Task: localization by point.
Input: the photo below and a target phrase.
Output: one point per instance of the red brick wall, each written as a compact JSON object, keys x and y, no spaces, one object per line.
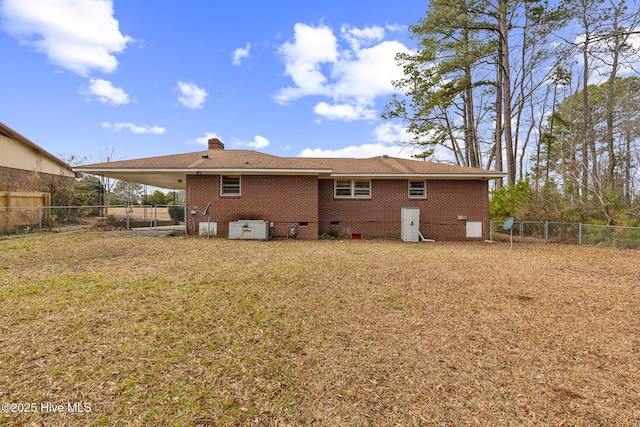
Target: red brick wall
{"x":283,"y":200}
{"x":380,"y":215}
{"x":287,"y":200}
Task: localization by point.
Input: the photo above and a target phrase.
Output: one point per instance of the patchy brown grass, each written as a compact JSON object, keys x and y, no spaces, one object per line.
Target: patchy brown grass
{"x":204,"y":332}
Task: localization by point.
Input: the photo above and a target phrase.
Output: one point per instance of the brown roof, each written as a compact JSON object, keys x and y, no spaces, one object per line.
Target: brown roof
{"x":394,"y":166}
{"x":240,"y":160}
{"x":170,"y":171}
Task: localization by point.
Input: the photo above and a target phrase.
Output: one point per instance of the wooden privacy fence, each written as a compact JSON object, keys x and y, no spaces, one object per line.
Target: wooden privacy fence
{"x":13,"y":217}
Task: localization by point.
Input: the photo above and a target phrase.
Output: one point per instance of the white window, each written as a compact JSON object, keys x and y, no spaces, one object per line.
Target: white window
{"x":352,"y":188}
{"x":230,"y":186}
{"x":417,"y":189}
{"x":343,"y":188}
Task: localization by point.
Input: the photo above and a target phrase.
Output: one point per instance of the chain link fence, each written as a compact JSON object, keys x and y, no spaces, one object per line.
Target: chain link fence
{"x":30,"y":218}
{"x":576,"y":233}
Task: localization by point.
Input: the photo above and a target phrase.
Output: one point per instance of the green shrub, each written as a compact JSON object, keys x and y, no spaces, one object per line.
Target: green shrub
{"x":176,"y":212}
{"x":600,"y":236}
{"x":512,"y":201}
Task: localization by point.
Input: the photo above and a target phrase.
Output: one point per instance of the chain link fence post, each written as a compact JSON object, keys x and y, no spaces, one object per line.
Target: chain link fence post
{"x":186,"y":228}
{"x":580,"y":234}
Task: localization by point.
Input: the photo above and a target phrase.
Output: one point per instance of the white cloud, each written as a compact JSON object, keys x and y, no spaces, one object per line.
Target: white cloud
{"x":257,"y":143}
{"x":344,"y":111}
{"x":155,"y":130}
{"x":240,"y":54}
{"x":362,"y":151}
{"x":370,"y":73}
{"x":353,"y":76}
{"x":77,"y":35}
{"x":105,"y":92}
{"x":191,"y":96}
{"x":361,"y":36}
{"x":395,"y":27}
{"x":392,"y":140}
{"x":395,"y":133}
{"x":303,"y":58}
{"x":203,"y":140}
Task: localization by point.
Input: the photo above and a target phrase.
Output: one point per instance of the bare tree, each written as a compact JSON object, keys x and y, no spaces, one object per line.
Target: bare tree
{"x":615,"y":49}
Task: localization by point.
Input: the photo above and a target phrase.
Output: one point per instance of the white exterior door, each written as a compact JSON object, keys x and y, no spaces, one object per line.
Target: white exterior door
{"x":410,"y":225}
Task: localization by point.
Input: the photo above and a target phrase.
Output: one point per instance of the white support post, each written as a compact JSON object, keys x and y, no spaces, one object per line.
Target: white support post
{"x":580,"y":234}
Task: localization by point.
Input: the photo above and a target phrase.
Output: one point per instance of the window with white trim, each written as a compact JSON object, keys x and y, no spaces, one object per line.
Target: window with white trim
{"x":343,"y":188}
{"x":352,"y":188}
{"x":229,"y":185}
{"x":417,"y":189}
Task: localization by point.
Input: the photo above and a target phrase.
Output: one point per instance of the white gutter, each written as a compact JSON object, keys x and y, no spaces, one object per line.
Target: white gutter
{"x":204,"y":171}
{"x":242,"y":171}
{"x":418,"y":175}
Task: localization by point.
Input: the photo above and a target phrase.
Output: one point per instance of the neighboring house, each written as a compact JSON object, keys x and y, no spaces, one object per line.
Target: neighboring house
{"x":27,"y":176}
{"x":318,"y":195}
{"x":24,"y":166}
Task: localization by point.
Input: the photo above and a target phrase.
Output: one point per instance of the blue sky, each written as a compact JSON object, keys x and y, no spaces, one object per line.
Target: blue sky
{"x":143,"y":78}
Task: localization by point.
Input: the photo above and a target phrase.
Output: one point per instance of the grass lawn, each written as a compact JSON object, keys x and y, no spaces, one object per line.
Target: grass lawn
{"x":177,"y":331}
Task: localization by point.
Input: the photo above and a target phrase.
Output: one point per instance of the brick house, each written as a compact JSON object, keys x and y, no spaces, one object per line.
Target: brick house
{"x":338,"y":196}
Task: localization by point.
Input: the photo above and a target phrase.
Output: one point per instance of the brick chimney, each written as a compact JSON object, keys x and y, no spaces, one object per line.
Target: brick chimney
{"x":215,"y":144}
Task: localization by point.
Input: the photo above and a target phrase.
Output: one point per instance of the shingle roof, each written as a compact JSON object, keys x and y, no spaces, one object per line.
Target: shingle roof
{"x":214,"y":160}
{"x":170,"y":171}
{"x":393,"y":166}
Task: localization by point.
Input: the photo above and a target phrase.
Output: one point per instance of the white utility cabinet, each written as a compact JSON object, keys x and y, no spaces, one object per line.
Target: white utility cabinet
{"x":410,"y":223}
{"x":208,"y":228}
{"x":474,"y":229}
{"x":249,"y":230}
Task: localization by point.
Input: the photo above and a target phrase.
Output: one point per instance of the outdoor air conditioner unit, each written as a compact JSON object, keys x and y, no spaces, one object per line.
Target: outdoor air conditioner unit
{"x":249,"y":230}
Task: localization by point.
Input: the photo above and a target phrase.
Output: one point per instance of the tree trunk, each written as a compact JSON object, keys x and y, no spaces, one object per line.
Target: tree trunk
{"x":611,"y":166}
{"x":498,"y":134}
{"x":586,"y":116}
{"x":505,"y":68}
{"x":471,"y":125}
